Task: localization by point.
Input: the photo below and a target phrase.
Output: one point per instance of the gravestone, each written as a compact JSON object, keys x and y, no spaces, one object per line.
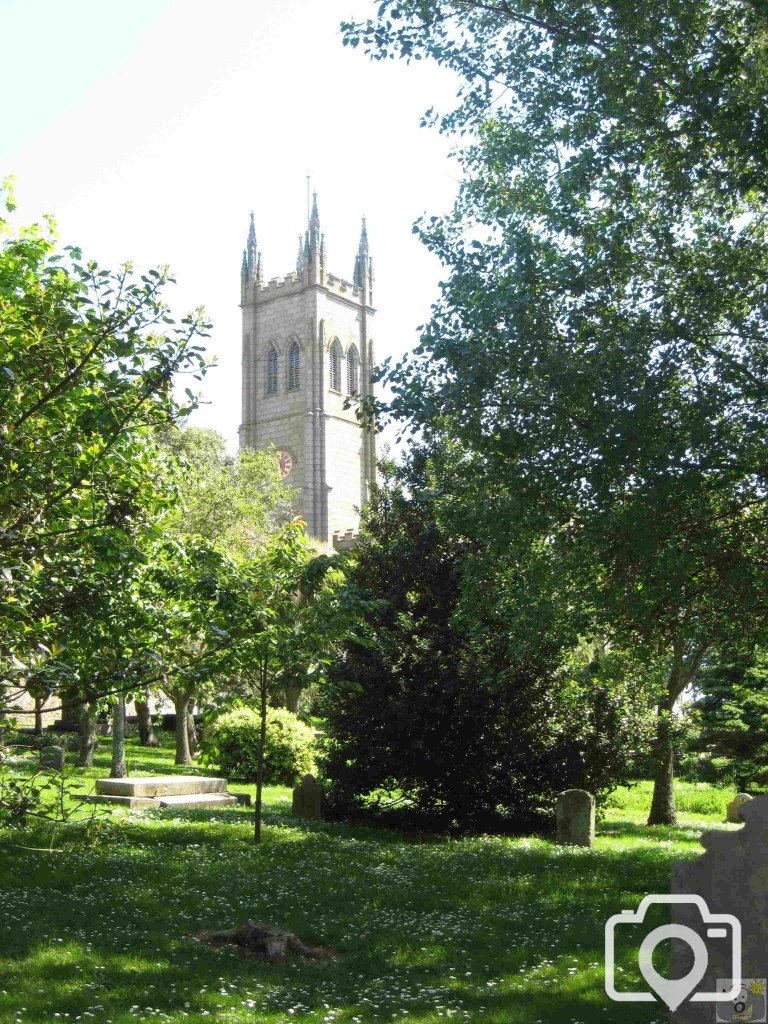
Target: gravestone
{"x":575,"y":814}
{"x":52,"y":757}
{"x":733,"y":811}
{"x":732,"y":878}
{"x":308,"y":799}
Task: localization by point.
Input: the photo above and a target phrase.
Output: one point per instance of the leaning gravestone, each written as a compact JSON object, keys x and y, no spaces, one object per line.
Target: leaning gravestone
{"x":52,"y":757}
{"x":731,"y":877}
{"x":308,"y":799}
{"x":575,"y":814}
{"x":733,"y":811}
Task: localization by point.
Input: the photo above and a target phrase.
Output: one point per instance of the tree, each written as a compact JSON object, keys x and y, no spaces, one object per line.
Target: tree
{"x":119,"y":769}
{"x":281,"y":617}
{"x":181,"y":588}
{"x":147,"y":736}
{"x":87,"y":367}
{"x":232,"y":506}
{"x":439,"y":705}
{"x":600,"y":342}
{"x":730,"y":714}
{"x":233,"y":502}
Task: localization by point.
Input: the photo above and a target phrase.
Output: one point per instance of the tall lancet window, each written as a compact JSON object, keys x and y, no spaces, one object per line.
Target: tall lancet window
{"x":271,"y":382}
{"x":335,"y":374}
{"x":294,"y":368}
{"x":353,"y":371}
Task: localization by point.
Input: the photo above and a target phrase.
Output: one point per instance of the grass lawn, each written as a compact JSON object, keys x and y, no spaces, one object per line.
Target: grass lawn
{"x":508,"y":931}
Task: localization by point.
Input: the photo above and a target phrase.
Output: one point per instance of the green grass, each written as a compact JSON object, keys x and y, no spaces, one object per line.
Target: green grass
{"x":501,"y":930}
{"x":693,"y":799}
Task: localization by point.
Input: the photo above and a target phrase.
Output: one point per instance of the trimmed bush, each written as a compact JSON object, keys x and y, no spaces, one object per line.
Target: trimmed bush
{"x":232,"y":742}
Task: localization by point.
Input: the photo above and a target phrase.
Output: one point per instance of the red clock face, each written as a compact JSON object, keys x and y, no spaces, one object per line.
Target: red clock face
{"x":286,"y":464}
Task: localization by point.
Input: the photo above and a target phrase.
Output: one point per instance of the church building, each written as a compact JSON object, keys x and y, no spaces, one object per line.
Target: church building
{"x":307,"y":361}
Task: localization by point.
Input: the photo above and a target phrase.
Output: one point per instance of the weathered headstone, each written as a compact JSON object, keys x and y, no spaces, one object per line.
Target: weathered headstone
{"x":52,"y":757}
{"x":732,"y":813}
{"x":575,"y":814}
{"x":732,"y":878}
{"x":308,"y":799}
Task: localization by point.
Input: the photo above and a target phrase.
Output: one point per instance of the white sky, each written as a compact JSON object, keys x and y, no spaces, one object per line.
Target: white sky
{"x":150,"y":129}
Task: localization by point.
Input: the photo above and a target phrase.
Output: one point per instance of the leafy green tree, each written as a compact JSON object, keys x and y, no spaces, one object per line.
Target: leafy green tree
{"x":182,"y":589}
{"x":282,"y":615}
{"x":730,"y":717}
{"x":233,"y":502}
{"x":600,"y":343}
{"x":88,"y":361}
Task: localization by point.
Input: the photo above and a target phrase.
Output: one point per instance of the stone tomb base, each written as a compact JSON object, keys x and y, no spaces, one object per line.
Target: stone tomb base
{"x":165,"y":791}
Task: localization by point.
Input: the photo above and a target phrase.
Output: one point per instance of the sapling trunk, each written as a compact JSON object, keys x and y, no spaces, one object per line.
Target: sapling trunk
{"x":39,"y":701}
{"x":262,"y":748}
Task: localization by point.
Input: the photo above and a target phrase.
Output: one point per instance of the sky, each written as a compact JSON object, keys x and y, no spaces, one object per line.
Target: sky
{"x":151,"y":128}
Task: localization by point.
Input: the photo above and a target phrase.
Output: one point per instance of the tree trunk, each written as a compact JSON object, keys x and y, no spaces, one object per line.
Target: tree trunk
{"x":39,"y":701}
{"x":70,"y":714}
{"x":119,"y":770}
{"x":292,"y":694}
{"x":194,"y":743}
{"x":183,"y":753}
{"x":87,"y":728}
{"x":681,"y":673}
{"x":147,"y":736}
{"x":260,"y":763}
{"x":663,"y":810}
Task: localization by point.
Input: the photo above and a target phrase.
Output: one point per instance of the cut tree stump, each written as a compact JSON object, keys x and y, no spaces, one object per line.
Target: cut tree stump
{"x":262,"y":941}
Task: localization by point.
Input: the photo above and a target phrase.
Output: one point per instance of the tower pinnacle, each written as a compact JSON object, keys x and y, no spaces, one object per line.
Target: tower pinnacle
{"x":251,"y":268}
{"x":252,"y":256}
{"x":363,"y":275}
{"x":314,"y":237}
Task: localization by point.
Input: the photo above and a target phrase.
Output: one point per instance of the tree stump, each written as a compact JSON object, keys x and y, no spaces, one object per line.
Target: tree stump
{"x":263,"y":941}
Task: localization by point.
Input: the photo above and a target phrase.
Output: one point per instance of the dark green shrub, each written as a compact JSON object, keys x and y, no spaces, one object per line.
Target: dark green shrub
{"x":467,"y":702}
{"x":232,"y":742}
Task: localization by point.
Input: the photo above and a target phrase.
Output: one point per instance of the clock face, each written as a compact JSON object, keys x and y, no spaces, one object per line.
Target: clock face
{"x":286,"y":463}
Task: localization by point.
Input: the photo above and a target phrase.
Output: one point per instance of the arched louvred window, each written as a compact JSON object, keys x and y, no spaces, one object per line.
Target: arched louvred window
{"x":271,"y":372}
{"x":294,"y":367}
{"x":335,"y":368}
{"x":353,"y":372}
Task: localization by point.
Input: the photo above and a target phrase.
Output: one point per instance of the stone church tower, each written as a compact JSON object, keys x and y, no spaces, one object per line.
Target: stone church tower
{"x":307,"y":352}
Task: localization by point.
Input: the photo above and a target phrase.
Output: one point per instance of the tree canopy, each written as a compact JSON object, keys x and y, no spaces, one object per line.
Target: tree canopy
{"x":600,"y":342}
{"x":88,"y":361}
{"x":234,"y":502}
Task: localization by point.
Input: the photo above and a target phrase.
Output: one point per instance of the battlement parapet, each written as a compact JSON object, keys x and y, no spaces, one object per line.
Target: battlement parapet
{"x":341,"y":285}
{"x":274,"y":288}
{"x":345,"y":541}
{"x":258,"y":291}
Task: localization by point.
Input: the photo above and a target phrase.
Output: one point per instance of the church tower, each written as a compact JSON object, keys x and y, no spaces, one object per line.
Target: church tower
{"x":307,"y":354}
